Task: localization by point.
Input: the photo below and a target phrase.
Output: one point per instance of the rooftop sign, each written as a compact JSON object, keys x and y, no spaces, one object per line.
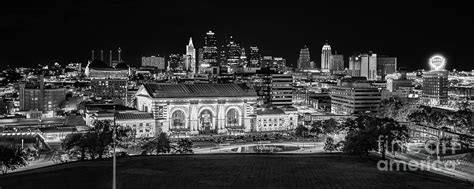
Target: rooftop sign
{"x":437,"y":62}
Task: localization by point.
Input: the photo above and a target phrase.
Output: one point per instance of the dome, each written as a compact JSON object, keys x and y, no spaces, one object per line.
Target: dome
{"x":98,"y":64}
{"x":122,"y":65}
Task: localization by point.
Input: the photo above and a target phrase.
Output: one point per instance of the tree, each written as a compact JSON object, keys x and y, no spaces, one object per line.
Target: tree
{"x":461,"y":121}
{"x":437,"y":119}
{"x":163,"y":144}
{"x":330,"y":126}
{"x":184,"y":147}
{"x":362,"y":136}
{"x":97,"y":140}
{"x":420,"y":115}
{"x":366,"y":133}
{"x":316,"y":127}
{"x":391,"y":134}
{"x":100,"y":137}
{"x":148,"y":146}
{"x":76,"y":140}
{"x":329,"y":144}
{"x":300,"y":130}
{"x":160,"y":144}
{"x":12,"y":158}
{"x":390,"y":107}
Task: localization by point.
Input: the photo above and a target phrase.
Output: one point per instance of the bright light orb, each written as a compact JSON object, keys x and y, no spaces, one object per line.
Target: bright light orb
{"x":437,"y":62}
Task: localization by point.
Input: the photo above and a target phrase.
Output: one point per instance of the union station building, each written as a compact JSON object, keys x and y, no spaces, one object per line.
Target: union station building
{"x":199,"y":108}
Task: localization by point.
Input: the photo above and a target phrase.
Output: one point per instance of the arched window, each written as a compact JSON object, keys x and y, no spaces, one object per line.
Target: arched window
{"x":178,"y":119}
{"x":232,"y":118}
{"x":206,"y":119}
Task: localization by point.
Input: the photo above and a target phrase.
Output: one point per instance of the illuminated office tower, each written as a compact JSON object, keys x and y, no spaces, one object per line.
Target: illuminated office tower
{"x":232,"y":52}
{"x":337,"y":63}
{"x":368,"y":66}
{"x":386,"y":65}
{"x":191,"y":56}
{"x":325,"y":57}
{"x":209,"y":63}
{"x":354,"y":66}
{"x":255,"y":57}
{"x":304,"y":59}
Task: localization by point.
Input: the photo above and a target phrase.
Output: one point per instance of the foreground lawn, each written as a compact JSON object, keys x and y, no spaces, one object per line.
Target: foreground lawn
{"x":228,"y":170}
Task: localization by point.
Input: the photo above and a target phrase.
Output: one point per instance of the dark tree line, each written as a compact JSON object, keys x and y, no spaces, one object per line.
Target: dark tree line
{"x":12,"y":158}
{"x":97,"y":141}
{"x":162,"y":145}
{"x":363,"y":134}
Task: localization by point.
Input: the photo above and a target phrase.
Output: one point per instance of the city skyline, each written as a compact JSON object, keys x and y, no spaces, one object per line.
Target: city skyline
{"x":68,"y":32}
{"x":186,"y":94}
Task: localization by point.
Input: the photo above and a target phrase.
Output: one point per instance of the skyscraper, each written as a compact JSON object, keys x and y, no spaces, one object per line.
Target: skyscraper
{"x":386,"y":65}
{"x":232,"y":52}
{"x":210,"y":55}
{"x":354,"y":66}
{"x":435,"y":87}
{"x":200,"y":59}
{"x":304,"y":59}
{"x":254,"y":57}
{"x":222,"y":59}
{"x":191,"y":54}
{"x":281,"y":90}
{"x":325,"y":57}
{"x":368,"y":66}
{"x":337,"y":63}
{"x":243,"y":57}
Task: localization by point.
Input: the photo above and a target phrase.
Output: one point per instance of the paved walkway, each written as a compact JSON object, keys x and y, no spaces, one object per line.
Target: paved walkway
{"x":434,"y":166}
{"x":45,"y":161}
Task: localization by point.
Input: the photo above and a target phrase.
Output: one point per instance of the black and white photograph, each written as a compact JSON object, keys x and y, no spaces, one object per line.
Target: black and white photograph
{"x":236,"y":94}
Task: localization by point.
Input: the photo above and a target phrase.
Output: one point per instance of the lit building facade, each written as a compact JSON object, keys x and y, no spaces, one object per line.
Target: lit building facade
{"x":281,"y":90}
{"x":274,"y":120}
{"x":304,"y":59}
{"x":142,"y":124}
{"x":108,"y":83}
{"x":190,"y":57}
{"x":199,"y":108}
{"x":435,"y":87}
{"x":386,"y":65}
{"x":154,"y":61}
{"x":40,"y":98}
{"x":325,"y":57}
{"x":276,"y":63}
{"x":355,"y":98}
{"x":233,"y":53}
{"x":254,"y":57}
{"x":336,"y":63}
{"x":354,"y":66}
{"x":210,"y":63}
{"x":368,"y":66}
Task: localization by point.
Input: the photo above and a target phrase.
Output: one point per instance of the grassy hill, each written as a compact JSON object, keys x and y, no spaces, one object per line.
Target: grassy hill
{"x":227,"y":170}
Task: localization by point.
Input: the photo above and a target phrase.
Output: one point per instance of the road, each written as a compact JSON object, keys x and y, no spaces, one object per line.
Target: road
{"x":305,"y":147}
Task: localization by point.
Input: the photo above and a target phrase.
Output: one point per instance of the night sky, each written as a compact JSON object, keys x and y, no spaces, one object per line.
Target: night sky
{"x":44,"y":33}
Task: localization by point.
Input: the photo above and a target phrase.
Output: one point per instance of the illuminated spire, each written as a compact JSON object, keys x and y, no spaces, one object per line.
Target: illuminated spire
{"x":191,"y":42}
